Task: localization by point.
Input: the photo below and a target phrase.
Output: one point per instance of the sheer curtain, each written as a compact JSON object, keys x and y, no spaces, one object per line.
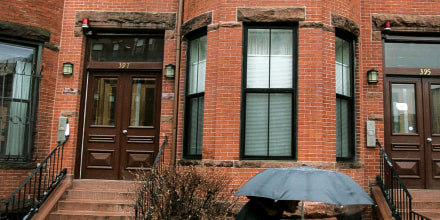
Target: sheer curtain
{"x":19,"y":120}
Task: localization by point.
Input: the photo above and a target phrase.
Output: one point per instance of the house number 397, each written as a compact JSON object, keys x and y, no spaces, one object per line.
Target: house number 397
{"x":124,"y":65}
{"x":425,"y":72}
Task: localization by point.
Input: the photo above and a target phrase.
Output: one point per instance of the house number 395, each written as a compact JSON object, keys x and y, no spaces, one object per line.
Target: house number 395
{"x":124,"y":65}
{"x":425,"y":72}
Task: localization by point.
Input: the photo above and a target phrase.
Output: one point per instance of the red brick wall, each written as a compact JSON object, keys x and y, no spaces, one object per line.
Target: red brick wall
{"x":316,"y":81}
{"x":43,"y":14}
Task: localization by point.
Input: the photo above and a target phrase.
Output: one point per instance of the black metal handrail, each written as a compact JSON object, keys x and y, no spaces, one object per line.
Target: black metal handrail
{"x":26,"y":200}
{"x":397,"y":195}
{"x":142,"y":203}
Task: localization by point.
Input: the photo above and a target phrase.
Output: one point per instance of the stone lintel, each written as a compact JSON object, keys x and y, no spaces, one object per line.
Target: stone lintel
{"x":341,"y":22}
{"x":404,"y":23}
{"x":22,"y":31}
{"x":271,"y":14}
{"x":126,"y":20}
{"x":197,"y":22}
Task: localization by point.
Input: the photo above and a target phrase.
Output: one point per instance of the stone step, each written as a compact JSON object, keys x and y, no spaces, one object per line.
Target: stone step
{"x":426,"y":202}
{"x":425,"y":194}
{"x":107,"y":194}
{"x":89,"y":215}
{"x":97,"y":199}
{"x":104,"y":184}
{"x":93,"y":205}
{"x":433,"y":214}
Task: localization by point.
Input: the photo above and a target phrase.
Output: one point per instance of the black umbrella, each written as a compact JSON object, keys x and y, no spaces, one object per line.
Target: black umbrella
{"x":306,"y":183}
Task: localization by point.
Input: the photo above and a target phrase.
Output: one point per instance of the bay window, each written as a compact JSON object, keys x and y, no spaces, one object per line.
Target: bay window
{"x":268,"y":96}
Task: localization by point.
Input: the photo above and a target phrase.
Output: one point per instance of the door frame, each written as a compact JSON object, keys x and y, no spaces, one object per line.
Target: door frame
{"x":407,"y":74}
{"x":157,"y":112}
{"x":156,"y":67}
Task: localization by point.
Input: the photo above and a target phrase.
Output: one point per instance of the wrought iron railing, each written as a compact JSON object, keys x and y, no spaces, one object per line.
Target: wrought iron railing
{"x":397,"y":195}
{"x":26,"y":200}
{"x":142,"y":204}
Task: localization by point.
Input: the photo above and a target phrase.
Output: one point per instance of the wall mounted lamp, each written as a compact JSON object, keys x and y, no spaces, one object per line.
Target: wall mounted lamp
{"x":373,"y":76}
{"x":86,"y":27}
{"x":387,"y":26}
{"x":67,"y":68}
{"x":85,"y":23}
{"x":170,"y":70}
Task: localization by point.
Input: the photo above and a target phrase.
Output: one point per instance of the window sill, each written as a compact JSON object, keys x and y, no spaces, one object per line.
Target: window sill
{"x":17,"y":165}
{"x":349,"y":165}
{"x":269,"y":164}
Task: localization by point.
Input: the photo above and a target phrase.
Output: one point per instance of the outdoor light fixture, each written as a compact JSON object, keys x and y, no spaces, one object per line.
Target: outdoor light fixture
{"x":86,"y":27}
{"x":373,"y":76}
{"x":67,"y":68}
{"x":85,"y":23}
{"x":170,"y":70}
{"x":387,"y":26}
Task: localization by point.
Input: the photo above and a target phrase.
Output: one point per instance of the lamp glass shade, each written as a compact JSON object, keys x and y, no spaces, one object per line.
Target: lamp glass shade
{"x":67,"y":68}
{"x":169,"y":71}
{"x":85,"y":23}
{"x":373,"y":76}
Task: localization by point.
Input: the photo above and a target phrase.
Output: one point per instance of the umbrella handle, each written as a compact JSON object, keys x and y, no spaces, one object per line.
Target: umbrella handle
{"x":302,"y":210}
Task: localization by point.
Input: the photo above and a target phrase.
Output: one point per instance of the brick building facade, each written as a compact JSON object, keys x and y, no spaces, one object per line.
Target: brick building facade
{"x":309,"y":106}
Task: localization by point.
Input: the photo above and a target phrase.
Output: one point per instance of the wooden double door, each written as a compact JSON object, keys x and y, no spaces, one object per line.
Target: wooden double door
{"x":121,"y":124}
{"x":412,"y":129}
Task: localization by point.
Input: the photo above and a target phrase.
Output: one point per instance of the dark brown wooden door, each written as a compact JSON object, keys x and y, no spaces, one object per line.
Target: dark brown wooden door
{"x":413,"y":129}
{"x":121,"y":124}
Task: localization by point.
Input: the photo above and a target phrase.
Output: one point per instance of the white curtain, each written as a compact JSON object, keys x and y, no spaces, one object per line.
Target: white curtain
{"x":18,"y":119}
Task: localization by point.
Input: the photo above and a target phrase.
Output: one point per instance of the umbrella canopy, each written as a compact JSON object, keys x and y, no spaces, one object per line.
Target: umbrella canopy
{"x":306,"y":183}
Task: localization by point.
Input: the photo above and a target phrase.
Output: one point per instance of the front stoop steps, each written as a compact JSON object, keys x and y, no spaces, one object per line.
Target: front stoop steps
{"x":426,"y":202}
{"x":96,"y":199}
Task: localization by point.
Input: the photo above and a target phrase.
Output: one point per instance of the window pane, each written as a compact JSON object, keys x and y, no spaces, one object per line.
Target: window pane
{"x":197,"y":68}
{"x":343,"y":128}
{"x":404,"y":109}
{"x":256,"y":134}
{"x":195,"y":126}
{"x":435,"y":108}
{"x":415,"y":55}
{"x":195,"y":96}
{"x":344,"y":104}
{"x":18,"y":81}
{"x":342,"y":65}
{"x":281,"y":60}
{"x":127,"y":49}
{"x":258,"y":58}
{"x":280,"y":125}
{"x":281,"y":72}
{"x":281,"y":42}
{"x":142,"y":102}
{"x":103,"y":109}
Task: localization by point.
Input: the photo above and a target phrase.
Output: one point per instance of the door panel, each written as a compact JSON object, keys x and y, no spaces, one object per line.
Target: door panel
{"x":140,"y":132}
{"x":122,"y":124}
{"x":432,"y":131}
{"x":411,"y":117}
{"x":405,"y":130}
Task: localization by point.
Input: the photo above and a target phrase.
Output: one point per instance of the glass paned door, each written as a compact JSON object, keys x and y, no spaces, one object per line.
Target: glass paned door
{"x":142,"y":101}
{"x":121,"y":130}
{"x":413,"y":129}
